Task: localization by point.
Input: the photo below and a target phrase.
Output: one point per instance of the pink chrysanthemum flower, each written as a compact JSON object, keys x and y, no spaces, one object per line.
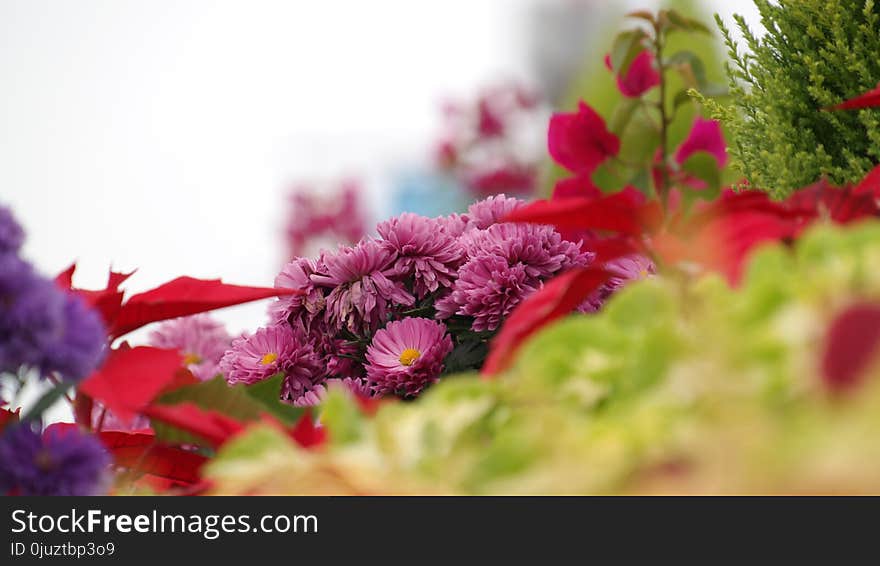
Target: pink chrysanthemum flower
{"x":272,"y":350}
{"x":488,"y":289}
{"x":425,"y":252}
{"x":406,"y":356}
{"x":487,"y":212}
{"x":364,"y":289}
{"x":200,"y":339}
{"x":541,"y":249}
{"x":507,"y":262}
{"x":300,"y":308}
{"x":624,"y":270}
{"x":454,"y":225}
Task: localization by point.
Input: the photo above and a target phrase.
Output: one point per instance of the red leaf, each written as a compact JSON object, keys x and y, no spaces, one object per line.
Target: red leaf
{"x":851,"y":345}
{"x":140,"y":452}
{"x":615,"y":213}
{"x":869,"y":99}
{"x":870,"y":185}
{"x":185,"y":296}
{"x":7,"y":417}
{"x":131,"y":378}
{"x":106,"y":301}
{"x":580,"y":141}
{"x":214,"y":427}
{"x":306,"y":434}
{"x":574,"y":187}
{"x":556,"y":299}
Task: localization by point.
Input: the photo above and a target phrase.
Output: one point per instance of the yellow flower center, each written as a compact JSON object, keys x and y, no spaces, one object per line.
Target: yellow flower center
{"x":191,"y":359}
{"x":269,"y":358}
{"x":409,"y":356}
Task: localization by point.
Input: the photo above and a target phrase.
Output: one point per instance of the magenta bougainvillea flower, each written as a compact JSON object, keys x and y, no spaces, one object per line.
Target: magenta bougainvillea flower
{"x":406,"y":356}
{"x":201,"y":339}
{"x":705,"y":135}
{"x":641,"y":76}
{"x":426,"y":254}
{"x":364,"y":290}
{"x":580,"y":141}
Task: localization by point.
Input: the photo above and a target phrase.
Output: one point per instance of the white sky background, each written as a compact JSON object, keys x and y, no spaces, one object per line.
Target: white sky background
{"x":160,"y":134}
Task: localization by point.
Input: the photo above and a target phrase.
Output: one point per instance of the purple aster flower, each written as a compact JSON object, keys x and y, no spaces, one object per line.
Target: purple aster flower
{"x":277,"y":349}
{"x":487,"y":212}
{"x":32,"y":312}
{"x":406,"y":356}
{"x":624,"y":270}
{"x":425,"y":252}
{"x":201,"y":340}
{"x":11,"y":234}
{"x":80,"y":343}
{"x":488,"y":289}
{"x":61,"y":461}
{"x":302,"y":309}
{"x":364,"y":290}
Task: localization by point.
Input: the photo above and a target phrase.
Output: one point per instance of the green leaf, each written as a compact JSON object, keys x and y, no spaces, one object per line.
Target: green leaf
{"x":642,"y":15}
{"x":466,"y":356}
{"x":678,"y":21}
{"x":703,"y":166}
{"x":690,"y":67}
{"x":268,"y":393}
{"x":622,"y":115}
{"x":681,"y":97}
{"x":626,"y":46}
{"x":642,"y":181}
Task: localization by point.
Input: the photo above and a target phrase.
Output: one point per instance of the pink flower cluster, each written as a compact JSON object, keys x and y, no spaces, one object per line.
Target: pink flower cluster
{"x":384,"y":315}
{"x":315,"y":218}
{"x":485,"y":143}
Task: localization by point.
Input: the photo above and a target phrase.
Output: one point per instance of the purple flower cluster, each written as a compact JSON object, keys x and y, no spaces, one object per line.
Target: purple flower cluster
{"x":60,"y":461}
{"x":41,"y":325}
{"x":376,"y":316}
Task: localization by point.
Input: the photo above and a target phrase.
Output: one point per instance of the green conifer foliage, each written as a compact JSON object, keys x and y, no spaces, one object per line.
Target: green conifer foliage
{"x":816,"y":53}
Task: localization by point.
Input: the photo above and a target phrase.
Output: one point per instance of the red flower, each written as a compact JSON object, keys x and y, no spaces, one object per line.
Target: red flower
{"x":851,"y":345}
{"x":580,"y":141}
{"x":641,"y":76}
